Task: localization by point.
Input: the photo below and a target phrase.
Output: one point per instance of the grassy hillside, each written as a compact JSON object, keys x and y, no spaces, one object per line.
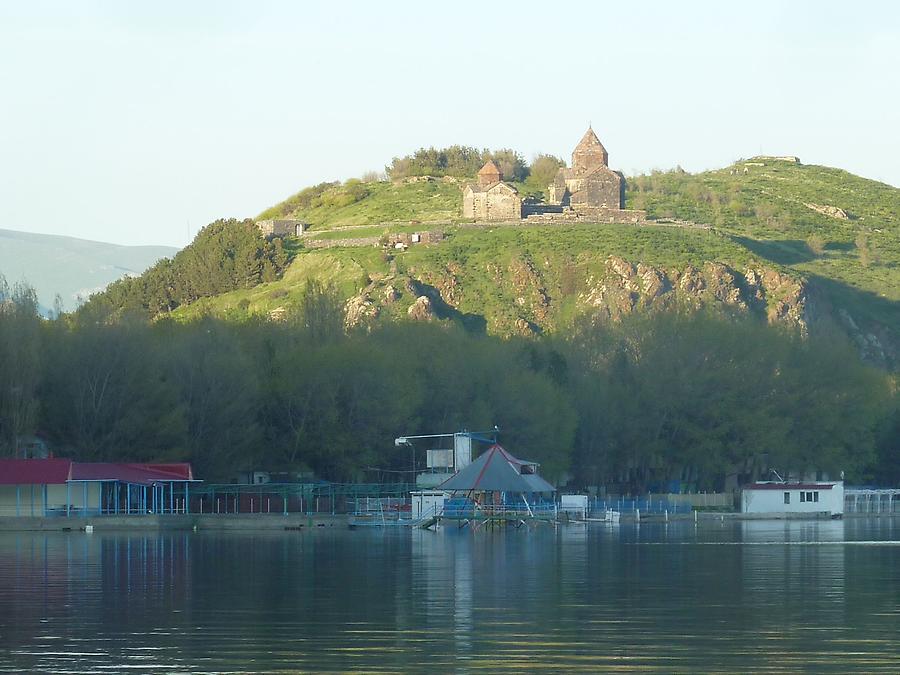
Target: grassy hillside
{"x":483,"y":273}
{"x":763,"y":205}
{"x":763,"y":212}
{"x":358,"y":203}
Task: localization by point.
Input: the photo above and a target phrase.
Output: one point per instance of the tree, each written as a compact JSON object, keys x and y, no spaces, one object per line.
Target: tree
{"x":218,"y":392}
{"x":106,"y":393}
{"x":20,"y":363}
{"x":511,"y":165}
{"x":225,"y":255}
{"x":543,"y":170}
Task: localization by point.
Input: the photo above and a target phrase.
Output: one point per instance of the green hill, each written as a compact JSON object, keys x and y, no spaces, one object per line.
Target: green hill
{"x":805,"y":245}
{"x":795,"y":242}
{"x":648,"y":395}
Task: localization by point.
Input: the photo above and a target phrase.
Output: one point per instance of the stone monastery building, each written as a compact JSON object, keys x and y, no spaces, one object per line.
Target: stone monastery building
{"x":491,"y":198}
{"x":590,"y":183}
{"x":588,"y":191}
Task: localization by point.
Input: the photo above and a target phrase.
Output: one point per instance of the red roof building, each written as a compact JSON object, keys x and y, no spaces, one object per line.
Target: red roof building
{"x":35,"y":471}
{"x":48,"y":487}
{"x":139,"y":474}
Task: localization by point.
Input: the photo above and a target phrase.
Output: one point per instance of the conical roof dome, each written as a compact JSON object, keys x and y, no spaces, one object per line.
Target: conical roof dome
{"x":589,"y":153}
{"x":489,"y":173}
{"x":489,"y":168}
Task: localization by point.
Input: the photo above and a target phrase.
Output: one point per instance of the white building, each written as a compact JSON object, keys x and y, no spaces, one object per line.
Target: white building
{"x":574,"y":505}
{"x":779,"y":497}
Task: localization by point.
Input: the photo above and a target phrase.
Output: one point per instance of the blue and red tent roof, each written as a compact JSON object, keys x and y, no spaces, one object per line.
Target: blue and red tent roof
{"x":497,"y":470}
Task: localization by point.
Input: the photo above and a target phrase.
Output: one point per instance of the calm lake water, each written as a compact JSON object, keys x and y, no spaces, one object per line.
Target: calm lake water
{"x":736,"y":597}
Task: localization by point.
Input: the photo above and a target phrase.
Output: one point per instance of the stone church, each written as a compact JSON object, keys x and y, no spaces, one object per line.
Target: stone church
{"x":589,"y":191}
{"x":491,"y":198}
{"x":589,"y":183}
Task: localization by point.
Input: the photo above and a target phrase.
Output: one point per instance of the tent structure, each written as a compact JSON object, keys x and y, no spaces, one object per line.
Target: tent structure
{"x":495,"y":489}
{"x":498,"y":471}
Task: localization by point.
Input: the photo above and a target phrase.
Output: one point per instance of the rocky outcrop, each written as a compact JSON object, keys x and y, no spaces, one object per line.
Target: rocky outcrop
{"x":534,"y":299}
{"x":831,"y":211}
{"x":391,"y":295}
{"x":624,"y":288}
{"x":421,"y":309}
{"x":531,"y":293}
{"x":876,"y":344}
{"x":360,"y":309}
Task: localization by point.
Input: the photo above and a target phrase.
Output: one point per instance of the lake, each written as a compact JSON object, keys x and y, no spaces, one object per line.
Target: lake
{"x":763,"y":596}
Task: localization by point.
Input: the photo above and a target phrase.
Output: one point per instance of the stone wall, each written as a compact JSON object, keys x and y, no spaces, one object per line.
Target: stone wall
{"x":603,"y":188}
{"x":281,"y":228}
{"x":604,"y":215}
{"x":503,"y":204}
{"x":341,"y":243}
{"x":472,"y":206}
{"x":499,"y":202}
{"x":553,"y":215}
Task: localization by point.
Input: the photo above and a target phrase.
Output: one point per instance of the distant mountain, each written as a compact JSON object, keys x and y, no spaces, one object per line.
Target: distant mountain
{"x":72,"y":268}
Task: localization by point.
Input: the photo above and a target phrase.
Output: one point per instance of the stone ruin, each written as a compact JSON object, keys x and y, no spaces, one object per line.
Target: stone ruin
{"x":281,"y":228}
{"x":589,"y":191}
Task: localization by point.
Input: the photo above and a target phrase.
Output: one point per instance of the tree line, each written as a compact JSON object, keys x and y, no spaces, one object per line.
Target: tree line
{"x":462,"y":161}
{"x":226,"y":255}
{"x":694,"y":397}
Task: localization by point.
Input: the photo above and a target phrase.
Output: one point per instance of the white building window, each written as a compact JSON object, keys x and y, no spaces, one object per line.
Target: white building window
{"x":787,"y":497}
{"x":815,"y":496}
{"x":802,"y":496}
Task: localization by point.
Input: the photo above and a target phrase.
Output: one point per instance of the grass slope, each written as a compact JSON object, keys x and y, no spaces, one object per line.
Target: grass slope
{"x":758,"y":209}
{"x":765,"y":210}
{"x":358,"y":203}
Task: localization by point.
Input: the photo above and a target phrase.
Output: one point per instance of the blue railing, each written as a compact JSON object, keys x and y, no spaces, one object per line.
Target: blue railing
{"x":461,"y":507}
{"x":642,"y":505}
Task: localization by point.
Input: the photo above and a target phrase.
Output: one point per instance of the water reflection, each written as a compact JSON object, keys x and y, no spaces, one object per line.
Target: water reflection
{"x":740,"y":596}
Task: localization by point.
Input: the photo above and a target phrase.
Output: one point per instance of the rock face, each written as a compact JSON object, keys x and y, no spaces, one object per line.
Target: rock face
{"x":359,"y":310}
{"x":832,"y":211}
{"x":528,"y":297}
{"x":391,"y":295}
{"x":624,"y":288}
{"x":421,"y":309}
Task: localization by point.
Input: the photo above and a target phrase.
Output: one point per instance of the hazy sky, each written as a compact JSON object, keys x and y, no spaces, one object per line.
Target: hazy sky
{"x":138,"y":123}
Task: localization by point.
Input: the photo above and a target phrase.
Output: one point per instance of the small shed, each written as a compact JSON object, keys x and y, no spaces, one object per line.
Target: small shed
{"x":778,"y":497}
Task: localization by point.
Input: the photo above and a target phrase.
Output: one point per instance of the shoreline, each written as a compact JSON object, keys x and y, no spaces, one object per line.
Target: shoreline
{"x":299,"y":521}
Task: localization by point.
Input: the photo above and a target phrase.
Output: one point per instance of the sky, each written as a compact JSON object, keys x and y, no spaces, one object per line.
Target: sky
{"x":141,"y":122}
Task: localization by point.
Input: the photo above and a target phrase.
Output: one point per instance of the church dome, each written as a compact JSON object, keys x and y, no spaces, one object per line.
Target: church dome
{"x":589,"y":153}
